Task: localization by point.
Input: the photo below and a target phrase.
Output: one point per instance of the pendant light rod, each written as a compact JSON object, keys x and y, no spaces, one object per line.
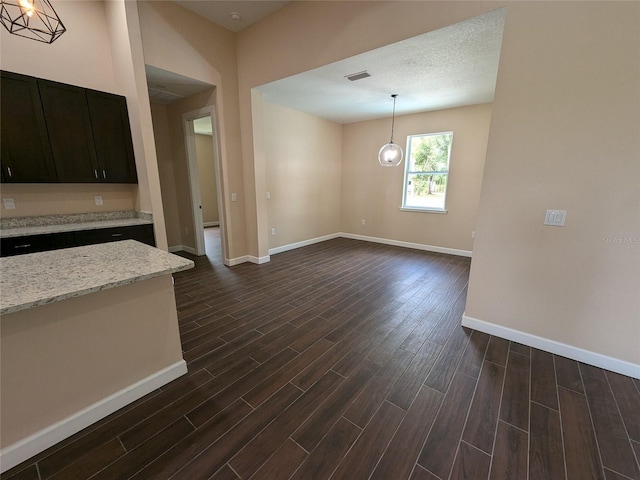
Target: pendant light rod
{"x":393,"y":116}
{"x":390,"y":155}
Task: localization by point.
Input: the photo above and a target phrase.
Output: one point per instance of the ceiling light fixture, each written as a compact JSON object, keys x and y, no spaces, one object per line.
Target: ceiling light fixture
{"x":34,"y":19}
{"x":390,"y":155}
{"x":235,"y":16}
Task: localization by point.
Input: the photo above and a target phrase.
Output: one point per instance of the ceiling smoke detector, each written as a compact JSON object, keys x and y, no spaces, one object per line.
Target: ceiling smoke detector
{"x":235,"y":16}
{"x":357,"y":76}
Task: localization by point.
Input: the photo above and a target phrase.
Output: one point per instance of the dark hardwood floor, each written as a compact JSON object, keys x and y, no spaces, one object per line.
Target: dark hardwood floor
{"x":346,"y":360}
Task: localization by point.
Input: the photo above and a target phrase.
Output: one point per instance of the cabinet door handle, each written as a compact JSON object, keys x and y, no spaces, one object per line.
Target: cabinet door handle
{"x":95,"y":172}
{"x":117,"y":234}
{"x":104,"y":174}
{"x":9,"y":172}
{"x":26,"y":245}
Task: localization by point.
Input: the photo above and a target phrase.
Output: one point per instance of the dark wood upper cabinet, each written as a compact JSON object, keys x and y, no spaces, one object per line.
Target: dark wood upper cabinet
{"x":26,"y":154}
{"x":69,"y":126}
{"x":54,"y":132}
{"x":112,"y":137}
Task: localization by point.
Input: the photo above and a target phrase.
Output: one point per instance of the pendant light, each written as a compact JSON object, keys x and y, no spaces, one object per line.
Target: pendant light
{"x":34,"y":19}
{"x":390,"y":155}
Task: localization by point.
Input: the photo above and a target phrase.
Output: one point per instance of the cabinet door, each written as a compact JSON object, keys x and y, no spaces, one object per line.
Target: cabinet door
{"x":69,"y":126}
{"x":35,"y":243}
{"x":141,"y":233}
{"x":26,"y":154}
{"x":112,"y":137}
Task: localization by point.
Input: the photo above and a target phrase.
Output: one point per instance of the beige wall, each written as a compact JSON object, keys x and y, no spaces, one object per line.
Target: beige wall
{"x":374,"y":193}
{"x":61,"y":358}
{"x":207,"y":178}
{"x":566,"y":108}
{"x":564,"y":135}
{"x":81,"y":56}
{"x":303,"y":163}
{"x":101,"y":49}
{"x":162,"y":136}
{"x":61,"y":198}
{"x":324,"y":178}
{"x":180,"y":41}
{"x":306,"y":35}
{"x":173,"y":165}
{"x":128,"y":66}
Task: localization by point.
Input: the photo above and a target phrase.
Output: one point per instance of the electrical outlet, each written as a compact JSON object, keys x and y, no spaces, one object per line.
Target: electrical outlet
{"x":234,"y":197}
{"x":9,"y":203}
{"x":98,"y":200}
{"x":473,"y":234}
{"x":268,"y":195}
{"x":363,"y":222}
{"x":186,"y":230}
{"x":273,"y":231}
{"x":555,"y":218}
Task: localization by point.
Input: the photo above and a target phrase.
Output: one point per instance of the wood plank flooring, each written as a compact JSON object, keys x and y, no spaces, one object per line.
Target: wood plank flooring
{"x":346,"y":360}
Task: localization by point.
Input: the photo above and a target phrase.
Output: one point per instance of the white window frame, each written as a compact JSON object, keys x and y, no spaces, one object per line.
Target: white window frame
{"x":407,"y":172}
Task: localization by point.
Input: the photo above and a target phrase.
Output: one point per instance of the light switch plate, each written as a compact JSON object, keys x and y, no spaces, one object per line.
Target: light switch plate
{"x":555,"y":218}
{"x":8,"y":203}
{"x":98,"y":199}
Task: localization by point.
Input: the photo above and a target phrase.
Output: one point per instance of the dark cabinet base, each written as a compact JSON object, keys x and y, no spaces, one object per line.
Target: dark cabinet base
{"x":35,"y":243}
{"x":55,"y":241}
{"x":141,"y":233}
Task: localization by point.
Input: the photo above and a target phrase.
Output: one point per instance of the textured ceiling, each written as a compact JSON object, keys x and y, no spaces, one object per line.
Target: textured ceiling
{"x":450,"y":67}
{"x":168,"y":87}
{"x":219,"y":12}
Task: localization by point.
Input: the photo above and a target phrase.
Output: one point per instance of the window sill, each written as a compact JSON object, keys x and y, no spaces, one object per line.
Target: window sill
{"x":422,"y":210}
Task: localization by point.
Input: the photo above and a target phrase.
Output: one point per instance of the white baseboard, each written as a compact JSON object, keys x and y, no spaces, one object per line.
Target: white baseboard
{"x":182,"y":248}
{"x":304,"y":243}
{"x":259,"y":260}
{"x":247,"y":258}
{"x":575,"y":353}
{"x":311,"y":241}
{"x":237,"y":260}
{"x":26,"y":448}
{"x":416,"y":246}
{"x":210,"y":224}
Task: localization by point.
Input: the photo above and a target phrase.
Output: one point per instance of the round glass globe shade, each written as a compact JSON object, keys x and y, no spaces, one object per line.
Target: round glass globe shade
{"x":390,"y":155}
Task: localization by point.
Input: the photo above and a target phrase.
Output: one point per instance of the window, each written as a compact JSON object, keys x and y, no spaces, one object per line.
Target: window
{"x":427,"y":171}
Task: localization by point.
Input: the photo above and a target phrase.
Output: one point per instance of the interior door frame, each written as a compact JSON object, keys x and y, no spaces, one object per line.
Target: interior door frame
{"x":194,"y":183}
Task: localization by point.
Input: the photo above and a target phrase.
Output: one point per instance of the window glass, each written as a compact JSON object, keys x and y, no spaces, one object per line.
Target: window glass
{"x":427,"y":171}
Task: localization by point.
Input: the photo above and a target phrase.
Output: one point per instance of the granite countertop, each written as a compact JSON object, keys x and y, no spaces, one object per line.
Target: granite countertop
{"x":35,"y":279}
{"x":22,"y":226}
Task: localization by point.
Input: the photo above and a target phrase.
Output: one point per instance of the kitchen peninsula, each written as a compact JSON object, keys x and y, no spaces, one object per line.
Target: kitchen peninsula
{"x":85,"y":331}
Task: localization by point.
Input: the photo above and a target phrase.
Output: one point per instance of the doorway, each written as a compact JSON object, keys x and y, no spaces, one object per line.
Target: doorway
{"x":205,"y":183}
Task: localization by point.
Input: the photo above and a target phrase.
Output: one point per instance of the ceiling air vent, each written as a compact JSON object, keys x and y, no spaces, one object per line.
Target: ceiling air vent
{"x":358,"y":76}
{"x":163,"y":96}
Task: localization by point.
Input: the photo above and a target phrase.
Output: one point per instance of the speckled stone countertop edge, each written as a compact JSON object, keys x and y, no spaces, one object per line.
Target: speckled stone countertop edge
{"x":80,"y":293}
{"x":61,"y":219}
{"x":70,"y":227}
{"x":25,"y":226}
{"x":36,"y":279}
